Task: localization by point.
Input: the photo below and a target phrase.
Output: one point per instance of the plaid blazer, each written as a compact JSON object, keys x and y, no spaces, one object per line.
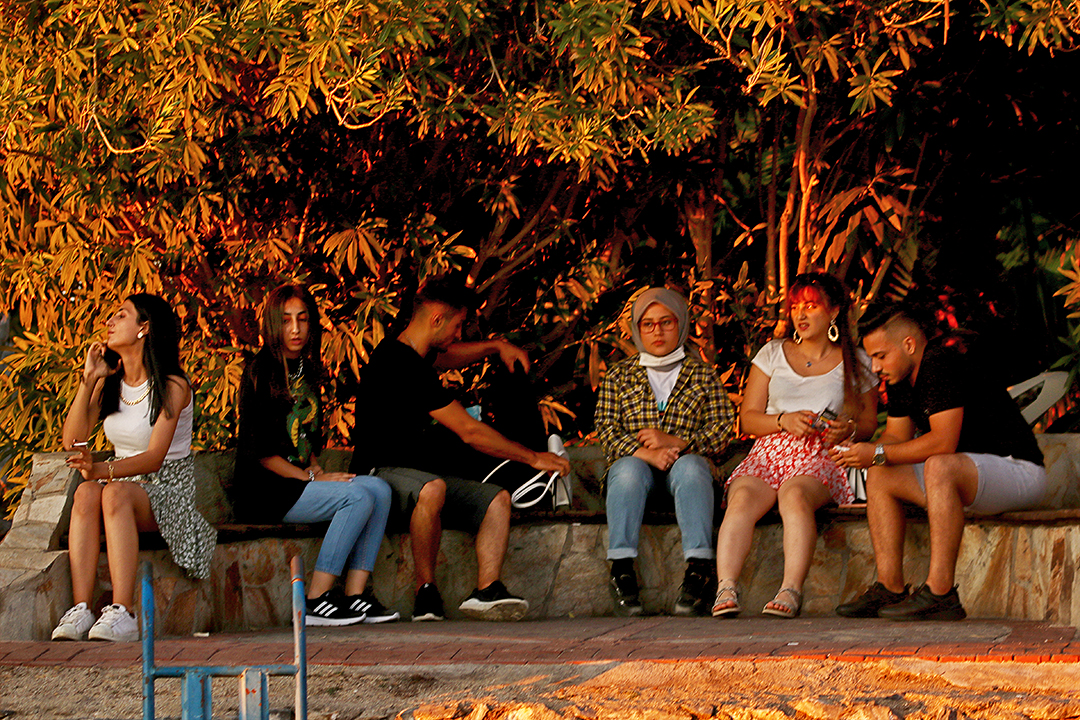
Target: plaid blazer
{"x":698,"y":410}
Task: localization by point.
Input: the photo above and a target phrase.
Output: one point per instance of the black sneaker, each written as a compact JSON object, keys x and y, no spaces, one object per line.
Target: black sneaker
{"x":925,"y":605}
{"x":624,"y":589}
{"x":698,"y":588}
{"x":428,"y":605}
{"x":494,"y":603}
{"x":374,"y":611}
{"x":867,"y":605}
{"x":331,"y":609}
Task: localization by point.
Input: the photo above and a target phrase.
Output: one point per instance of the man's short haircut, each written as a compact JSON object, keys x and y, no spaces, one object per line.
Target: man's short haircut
{"x":889,"y":316}
{"x":446,"y":291}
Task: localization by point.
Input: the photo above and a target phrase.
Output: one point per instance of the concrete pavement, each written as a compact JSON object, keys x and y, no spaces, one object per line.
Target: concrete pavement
{"x":662,"y":668}
{"x":591,"y":640}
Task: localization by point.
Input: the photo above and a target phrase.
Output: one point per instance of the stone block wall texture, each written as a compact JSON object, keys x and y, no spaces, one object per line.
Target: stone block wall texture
{"x":1011,"y":569}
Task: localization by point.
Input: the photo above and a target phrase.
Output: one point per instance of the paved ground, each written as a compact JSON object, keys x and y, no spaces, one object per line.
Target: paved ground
{"x":817,"y":667}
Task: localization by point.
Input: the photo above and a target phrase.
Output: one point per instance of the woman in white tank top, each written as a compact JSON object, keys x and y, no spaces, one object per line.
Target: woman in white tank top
{"x":135,"y":382}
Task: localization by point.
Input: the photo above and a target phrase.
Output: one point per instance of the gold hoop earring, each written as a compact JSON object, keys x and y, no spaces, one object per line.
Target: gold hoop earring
{"x":796,"y":337}
{"x":834,"y":331}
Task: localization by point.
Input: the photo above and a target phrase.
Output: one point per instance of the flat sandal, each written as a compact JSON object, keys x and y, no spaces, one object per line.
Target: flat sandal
{"x":786,"y":610}
{"x":733,"y":596}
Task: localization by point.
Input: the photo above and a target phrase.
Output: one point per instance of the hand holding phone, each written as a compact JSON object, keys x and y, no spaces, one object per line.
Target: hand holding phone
{"x":821,"y":422}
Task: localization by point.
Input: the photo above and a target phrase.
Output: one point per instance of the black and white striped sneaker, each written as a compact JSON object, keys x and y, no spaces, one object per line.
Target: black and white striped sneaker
{"x":375,"y":611}
{"x":330,"y":608}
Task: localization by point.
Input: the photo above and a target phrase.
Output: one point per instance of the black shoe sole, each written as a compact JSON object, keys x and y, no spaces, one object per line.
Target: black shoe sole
{"x":947,"y":614}
{"x":859,"y":614}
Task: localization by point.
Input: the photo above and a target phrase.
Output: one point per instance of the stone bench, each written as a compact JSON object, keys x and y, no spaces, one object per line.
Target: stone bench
{"x":1018,"y":565}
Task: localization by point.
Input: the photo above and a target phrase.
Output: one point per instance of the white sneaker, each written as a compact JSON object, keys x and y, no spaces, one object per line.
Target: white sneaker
{"x":116,"y":624}
{"x":74,"y":624}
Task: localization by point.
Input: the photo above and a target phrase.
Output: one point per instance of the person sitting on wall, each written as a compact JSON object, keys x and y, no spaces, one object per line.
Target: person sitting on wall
{"x":134,"y":384}
{"x":278,"y":478}
{"x":399,"y":396}
{"x":661,"y":415}
{"x":804,"y":394}
{"x":953,"y":443}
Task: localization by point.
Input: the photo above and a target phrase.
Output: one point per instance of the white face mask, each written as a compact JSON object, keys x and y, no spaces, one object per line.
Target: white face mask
{"x":654,"y":361}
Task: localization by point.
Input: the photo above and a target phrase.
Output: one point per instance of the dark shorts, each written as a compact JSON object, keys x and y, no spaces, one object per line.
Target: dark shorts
{"x":466,"y":504}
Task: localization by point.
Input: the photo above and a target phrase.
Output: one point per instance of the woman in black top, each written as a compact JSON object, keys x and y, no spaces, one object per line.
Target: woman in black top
{"x":278,"y":478}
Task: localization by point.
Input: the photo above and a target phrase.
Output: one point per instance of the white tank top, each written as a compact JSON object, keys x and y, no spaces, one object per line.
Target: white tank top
{"x":129,"y":428}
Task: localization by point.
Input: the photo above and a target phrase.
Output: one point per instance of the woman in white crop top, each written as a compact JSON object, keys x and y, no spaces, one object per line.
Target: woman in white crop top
{"x":795,"y":386}
{"x":135,"y":381}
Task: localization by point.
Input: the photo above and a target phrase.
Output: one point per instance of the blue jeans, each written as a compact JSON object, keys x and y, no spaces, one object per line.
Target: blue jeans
{"x":357,"y":511}
{"x":629,"y":482}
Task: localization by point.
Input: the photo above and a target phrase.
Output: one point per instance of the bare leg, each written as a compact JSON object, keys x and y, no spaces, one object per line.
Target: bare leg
{"x":886,"y":489}
{"x":356,"y":581}
{"x":126,"y":509}
{"x":84,"y":541}
{"x":321,"y":582}
{"x":951,"y":483}
{"x":492,"y":539}
{"x":425,"y":529}
{"x":798,"y":498}
{"x":748,"y":498}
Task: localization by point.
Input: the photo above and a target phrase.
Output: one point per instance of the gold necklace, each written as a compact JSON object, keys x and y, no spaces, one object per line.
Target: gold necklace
{"x":137,"y":400}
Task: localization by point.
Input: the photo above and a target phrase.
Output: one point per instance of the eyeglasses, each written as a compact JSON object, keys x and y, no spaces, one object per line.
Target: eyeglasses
{"x":666,"y":324}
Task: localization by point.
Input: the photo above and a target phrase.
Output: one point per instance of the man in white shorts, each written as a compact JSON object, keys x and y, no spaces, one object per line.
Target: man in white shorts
{"x":952,"y":444}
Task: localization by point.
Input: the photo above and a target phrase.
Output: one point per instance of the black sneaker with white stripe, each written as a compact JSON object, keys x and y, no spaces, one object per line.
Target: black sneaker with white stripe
{"x":331,"y":609}
{"x":375,"y":611}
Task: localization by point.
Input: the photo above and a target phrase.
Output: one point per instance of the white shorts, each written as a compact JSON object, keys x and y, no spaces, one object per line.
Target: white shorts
{"x":1005,"y":483}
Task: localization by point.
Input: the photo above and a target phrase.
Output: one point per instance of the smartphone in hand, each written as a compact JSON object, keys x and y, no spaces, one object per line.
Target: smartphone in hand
{"x":821,"y":422}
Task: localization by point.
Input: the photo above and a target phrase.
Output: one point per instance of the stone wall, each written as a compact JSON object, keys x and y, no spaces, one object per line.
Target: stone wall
{"x":1022,"y":566}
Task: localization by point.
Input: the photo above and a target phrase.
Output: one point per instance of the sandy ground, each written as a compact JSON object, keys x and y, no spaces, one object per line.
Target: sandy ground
{"x":733,"y":690}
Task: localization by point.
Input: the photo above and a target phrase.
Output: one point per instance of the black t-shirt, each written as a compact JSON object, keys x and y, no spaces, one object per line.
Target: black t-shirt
{"x":257,"y":494}
{"x":398,"y":391}
{"x":992,"y":421}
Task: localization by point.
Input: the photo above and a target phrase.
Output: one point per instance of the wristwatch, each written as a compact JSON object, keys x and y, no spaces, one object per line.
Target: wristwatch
{"x":879,"y":455}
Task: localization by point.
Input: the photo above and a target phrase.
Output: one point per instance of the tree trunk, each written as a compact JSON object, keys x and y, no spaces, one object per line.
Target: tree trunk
{"x":700,"y":220}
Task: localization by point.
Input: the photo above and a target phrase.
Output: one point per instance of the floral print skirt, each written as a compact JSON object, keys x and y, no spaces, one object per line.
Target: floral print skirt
{"x":775,"y":458}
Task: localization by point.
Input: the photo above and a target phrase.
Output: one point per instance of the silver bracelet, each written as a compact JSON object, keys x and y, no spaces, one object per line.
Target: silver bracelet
{"x":311,"y":475}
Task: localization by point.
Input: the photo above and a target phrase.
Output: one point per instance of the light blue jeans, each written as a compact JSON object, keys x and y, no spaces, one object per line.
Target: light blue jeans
{"x":357,"y":511}
{"x":629,"y":482}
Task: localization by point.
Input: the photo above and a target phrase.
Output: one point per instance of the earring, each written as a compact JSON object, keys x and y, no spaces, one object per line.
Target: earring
{"x":834,"y":331}
{"x":796,"y":337}
{"x":139,"y":336}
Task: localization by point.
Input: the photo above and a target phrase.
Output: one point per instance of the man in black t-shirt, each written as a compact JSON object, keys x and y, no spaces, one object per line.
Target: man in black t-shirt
{"x":399,"y":398}
{"x":952,"y":443}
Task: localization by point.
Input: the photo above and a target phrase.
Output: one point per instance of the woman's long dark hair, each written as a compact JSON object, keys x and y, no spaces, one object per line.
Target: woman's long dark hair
{"x":273,"y":331}
{"x":836,"y":295}
{"x":161,"y":356}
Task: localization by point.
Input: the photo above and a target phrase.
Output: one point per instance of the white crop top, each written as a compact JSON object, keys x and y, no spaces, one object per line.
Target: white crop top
{"x":791,"y":392}
{"x":129,"y":428}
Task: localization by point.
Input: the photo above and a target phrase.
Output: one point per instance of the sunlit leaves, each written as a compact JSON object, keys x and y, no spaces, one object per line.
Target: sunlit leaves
{"x":1031,"y":24}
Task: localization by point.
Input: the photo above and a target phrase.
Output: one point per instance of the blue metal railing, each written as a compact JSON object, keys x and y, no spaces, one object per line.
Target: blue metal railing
{"x":195,"y":692}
